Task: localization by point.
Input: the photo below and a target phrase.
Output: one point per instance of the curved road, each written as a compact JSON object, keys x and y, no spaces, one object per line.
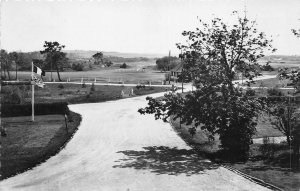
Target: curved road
{"x":116,"y":148}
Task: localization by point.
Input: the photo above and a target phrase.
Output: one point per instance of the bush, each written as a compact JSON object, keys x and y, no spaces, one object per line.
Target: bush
{"x":13,"y":95}
{"x":123,"y":65}
{"x":93,"y":87}
{"x":60,"y":86}
{"x":267,"y":67}
{"x":274,"y":92}
{"x":108,"y":63}
{"x":140,"y":87}
{"x":250,"y":92}
{"x":77,"y":67}
{"x":14,"y":110}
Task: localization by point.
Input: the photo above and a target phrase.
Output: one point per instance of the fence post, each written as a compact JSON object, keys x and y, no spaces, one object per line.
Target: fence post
{"x":66,"y":122}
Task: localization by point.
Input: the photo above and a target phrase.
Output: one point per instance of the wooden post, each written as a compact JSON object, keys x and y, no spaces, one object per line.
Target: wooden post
{"x":66,"y":122}
{"x":181,"y":73}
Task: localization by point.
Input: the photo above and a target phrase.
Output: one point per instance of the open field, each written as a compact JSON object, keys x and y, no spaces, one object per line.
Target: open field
{"x":30,"y":143}
{"x":136,"y":71}
{"x":126,"y":75}
{"x":77,"y":93}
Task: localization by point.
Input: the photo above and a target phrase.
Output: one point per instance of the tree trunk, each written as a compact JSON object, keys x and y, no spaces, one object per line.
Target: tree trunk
{"x":16,"y":71}
{"x":7,"y":70}
{"x":8,"y":73}
{"x":58,"y":75}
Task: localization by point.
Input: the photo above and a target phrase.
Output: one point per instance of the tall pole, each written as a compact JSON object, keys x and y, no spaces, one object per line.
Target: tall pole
{"x":51,"y":71}
{"x":181,"y":72}
{"x":32,"y":93}
{"x":16,"y":70}
{"x":169,"y":66}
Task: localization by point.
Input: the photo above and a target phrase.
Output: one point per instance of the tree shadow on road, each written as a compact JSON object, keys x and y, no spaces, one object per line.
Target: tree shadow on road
{"x":165,"y":160}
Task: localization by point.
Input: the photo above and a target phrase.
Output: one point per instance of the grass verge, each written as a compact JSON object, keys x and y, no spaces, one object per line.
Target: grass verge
{"x":47,"y":135}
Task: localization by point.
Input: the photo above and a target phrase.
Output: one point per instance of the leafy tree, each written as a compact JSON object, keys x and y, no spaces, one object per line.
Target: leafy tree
{"x":284,"y":116}
{"x":296,"y":32}
{"x":98,"y":58}
{"x":5,"y":63}
{"x":288,"y":116}
{"x":14,"y":57}
{"x":267,"y":67}
{"x":166,"y":63}
{"x":54,"y":55}
{"x":123,"y":65}
{"x":211,"y":55}
{"x":108,"y":63}
{"x":77,"y":66}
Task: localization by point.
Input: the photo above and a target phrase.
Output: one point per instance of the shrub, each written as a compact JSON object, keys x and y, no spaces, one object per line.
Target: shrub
{"x":250,"y":92}
{"x":267,"y":67}
{"x":93,"y":87}
{"x":61,"y":86}
{"x":15,"y":110}
{"x":108,"y":63}
{"x":123,"y":65}
{"x":12,"y":95}
{"x":77,"y":67}
{"x":140,"y":87}
{"x":274,"y":92}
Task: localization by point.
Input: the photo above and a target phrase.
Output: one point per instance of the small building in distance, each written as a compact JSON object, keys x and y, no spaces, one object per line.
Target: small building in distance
{"x":176,"y":71}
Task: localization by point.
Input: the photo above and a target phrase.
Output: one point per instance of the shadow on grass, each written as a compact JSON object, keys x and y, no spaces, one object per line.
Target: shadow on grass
{"x":165,"y":160}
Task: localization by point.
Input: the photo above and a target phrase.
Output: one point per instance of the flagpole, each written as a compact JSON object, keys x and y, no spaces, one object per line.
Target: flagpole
{"x":32,"y":93}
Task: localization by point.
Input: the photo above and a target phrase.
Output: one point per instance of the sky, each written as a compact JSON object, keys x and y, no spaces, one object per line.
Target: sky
{"x":136,"y":26}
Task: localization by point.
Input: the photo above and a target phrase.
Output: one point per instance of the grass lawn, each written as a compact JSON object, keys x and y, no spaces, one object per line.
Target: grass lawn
{"x":76,"y":93}
{"x":272,"y":82}
{"x":129,"y":75}
{"x":47,"y":135}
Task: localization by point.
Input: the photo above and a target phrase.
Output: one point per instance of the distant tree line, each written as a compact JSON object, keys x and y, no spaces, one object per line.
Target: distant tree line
{"x":166,"y":63}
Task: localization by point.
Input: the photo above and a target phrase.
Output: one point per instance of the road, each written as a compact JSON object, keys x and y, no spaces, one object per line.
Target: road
{"x":116,"y":148}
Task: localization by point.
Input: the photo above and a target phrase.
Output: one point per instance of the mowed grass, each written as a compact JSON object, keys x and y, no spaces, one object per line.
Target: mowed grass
{"x":30,"y":143}
{"x":76,"y":93}
{"x":133,"y":74}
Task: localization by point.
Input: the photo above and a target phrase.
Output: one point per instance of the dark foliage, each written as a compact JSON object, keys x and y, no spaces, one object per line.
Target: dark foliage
{"x":77,"y":66}
{"x":166,"y":63}
{"x":123,"y":65}
{"x":211,"y":56}
{"x":13,"y":110}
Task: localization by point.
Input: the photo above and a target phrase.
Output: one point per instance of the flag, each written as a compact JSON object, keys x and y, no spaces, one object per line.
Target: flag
{"x":38,"y":82}
{"x":38,"y":71}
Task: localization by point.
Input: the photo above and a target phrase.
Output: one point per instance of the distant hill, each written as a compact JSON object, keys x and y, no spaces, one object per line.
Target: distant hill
{"x":89,"y":53}
{"x":280,"y":58}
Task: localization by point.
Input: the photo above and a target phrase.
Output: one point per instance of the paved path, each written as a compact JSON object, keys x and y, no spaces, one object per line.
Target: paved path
{"x":116,"y":148}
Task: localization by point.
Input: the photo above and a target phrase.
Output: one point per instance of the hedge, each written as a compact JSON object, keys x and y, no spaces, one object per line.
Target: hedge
{"x":14,"y":110}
